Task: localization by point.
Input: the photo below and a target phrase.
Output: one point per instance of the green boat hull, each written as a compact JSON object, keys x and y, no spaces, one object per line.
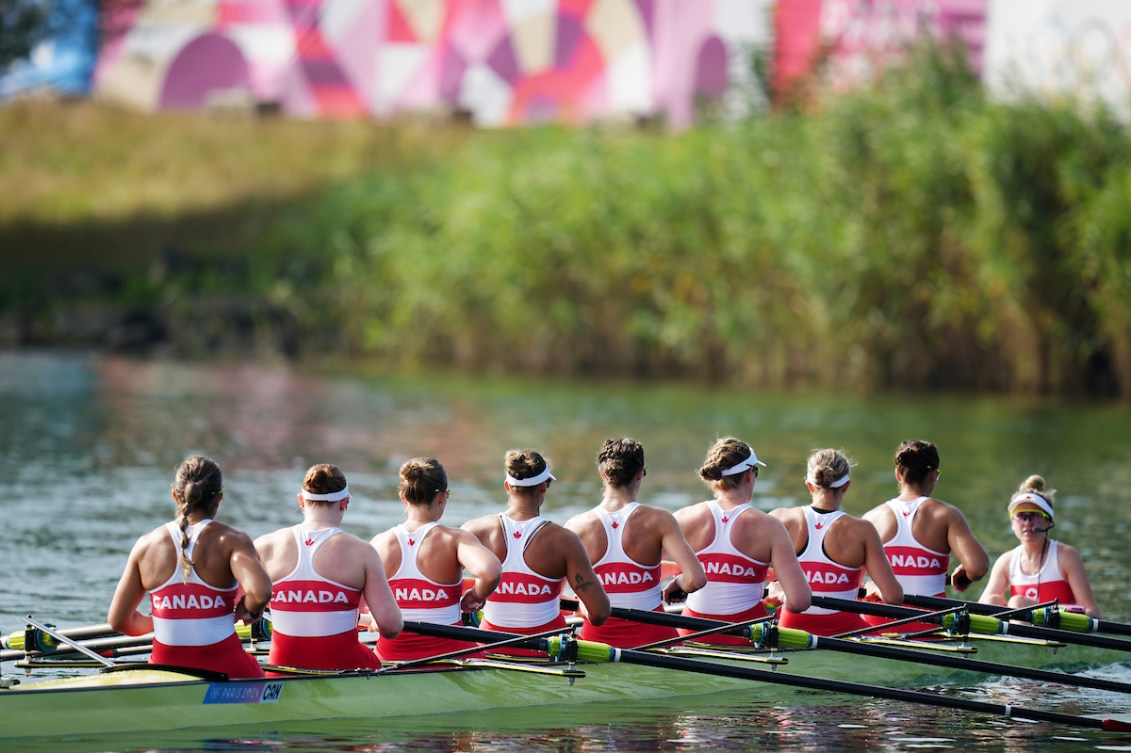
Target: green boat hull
{"x":147,"y":699}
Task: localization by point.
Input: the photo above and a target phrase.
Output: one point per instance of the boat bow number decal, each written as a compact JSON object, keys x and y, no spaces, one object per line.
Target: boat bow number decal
{"x":244,"y":692}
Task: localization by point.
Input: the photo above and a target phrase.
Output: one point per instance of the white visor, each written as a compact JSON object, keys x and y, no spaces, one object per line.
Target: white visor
{"x":834,"y":485}
{"x":1033,"y":498}
{"x":745,"y":465}
{"x":330,"y":497}
{"x":533,"y":480}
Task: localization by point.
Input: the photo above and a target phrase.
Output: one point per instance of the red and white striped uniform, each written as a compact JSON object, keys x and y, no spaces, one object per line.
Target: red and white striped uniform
{"x":826,"y":578}
{"x":525,"y":602}
{"x":421,"y":599}
{"x":629,"y":584}
{"x":919,"y":570}
{"x":194,"y":623}
{"x":735,"y":582}
{"x":314,"y":619}
{"x":1046,"y":584}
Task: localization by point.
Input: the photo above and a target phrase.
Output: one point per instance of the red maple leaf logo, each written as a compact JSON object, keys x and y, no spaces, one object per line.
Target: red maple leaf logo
{"x":616,"y":525}
{"x":906,"y":513}
{"x":725,"y":519}
{"x":818,"y":526}
{"x":310,"y":542}
{"x":518,"y":534}
{"x":412,"y":542}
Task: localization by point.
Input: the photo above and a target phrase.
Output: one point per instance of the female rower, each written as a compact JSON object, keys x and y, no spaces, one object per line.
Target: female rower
{"x":834,"y":548}
{"x":192,"y":568}
{"x":920,"y":532}
{"x":737,"y":543}
{"x":323,"y":578}
{"x":425,"y":562}
{"x":1039,"y":569}
{"x":626,"y":542}
{"x":536,"y":556}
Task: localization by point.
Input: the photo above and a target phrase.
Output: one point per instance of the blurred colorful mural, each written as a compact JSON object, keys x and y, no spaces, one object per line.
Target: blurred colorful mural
{"x":504,"y":62}
{"x":498,"y":61}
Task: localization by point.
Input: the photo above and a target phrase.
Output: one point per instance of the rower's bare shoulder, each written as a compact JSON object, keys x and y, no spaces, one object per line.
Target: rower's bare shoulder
{"x":481,"y":526}
{"x":935,"y":507}
{"x":582,"y":520}
{"x":655,"y":519}
{"x":691,"y":513}
{"x":878,"y":515}
{"x":231,"y":539}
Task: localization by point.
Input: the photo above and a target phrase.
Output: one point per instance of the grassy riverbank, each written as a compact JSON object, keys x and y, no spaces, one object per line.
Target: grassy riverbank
{"x":909,"y":236}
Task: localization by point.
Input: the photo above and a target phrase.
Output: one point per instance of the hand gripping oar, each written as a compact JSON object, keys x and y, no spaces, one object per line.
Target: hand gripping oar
{"x":590,"y":651}
{"x":1039,"y":615}
{"x":978,"y":623}
{"x":801,"y":639}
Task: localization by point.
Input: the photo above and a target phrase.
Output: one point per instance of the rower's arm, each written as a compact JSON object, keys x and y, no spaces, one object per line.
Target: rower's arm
{"x":798,"y":595}
{"x":251,"y":575}
{"x":582,"y":579}
{"x":973,"y":562}
{"x":1072,"y":567}
{"x":482,"y":564}
{"x":123,"y":616}
{"x":378,"y":595}
{"x":675,"y":547}
{"x":878,"y":566}
{"x":996,"y":586}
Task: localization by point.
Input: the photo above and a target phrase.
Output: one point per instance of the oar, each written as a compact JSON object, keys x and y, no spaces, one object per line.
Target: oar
{"x":18,"y":639}
{"x":600,"y":652}
{"x":47,"y":644}
{"x":979,"y":623}
{"x":714,"y":629}
{"x":1041,"y":615}
{"x":420,"y":627}
{"x":72,"y":643}
{"x":802,"y":639}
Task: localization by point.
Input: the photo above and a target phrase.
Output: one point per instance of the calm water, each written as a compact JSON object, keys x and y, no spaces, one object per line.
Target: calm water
{"x":91,"y":442}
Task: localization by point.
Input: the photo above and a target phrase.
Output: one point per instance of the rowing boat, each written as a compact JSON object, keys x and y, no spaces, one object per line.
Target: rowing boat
{"x":144,"y":699}
{"x":138,"y":698}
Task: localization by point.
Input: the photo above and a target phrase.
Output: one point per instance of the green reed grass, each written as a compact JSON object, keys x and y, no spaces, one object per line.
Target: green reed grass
{"x":911,"y":235}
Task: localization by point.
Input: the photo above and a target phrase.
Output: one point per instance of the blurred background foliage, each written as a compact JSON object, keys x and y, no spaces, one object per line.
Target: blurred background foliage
{"x":911,"y":235}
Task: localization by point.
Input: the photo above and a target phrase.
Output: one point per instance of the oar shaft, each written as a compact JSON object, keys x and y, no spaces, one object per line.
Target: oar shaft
{"x":901,"y":654}
{"x":979,"y":623}
{"x":642,"y":658}
{"x":938,"y":602}
{"x":873,"y":691}
{"x":16,"y":639}
{"x":70,"y":642}
{"x":107,"y":643}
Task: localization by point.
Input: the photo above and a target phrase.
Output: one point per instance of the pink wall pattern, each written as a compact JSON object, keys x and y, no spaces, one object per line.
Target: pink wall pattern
{"x":856,"y":38}
{"x":501,"y":61}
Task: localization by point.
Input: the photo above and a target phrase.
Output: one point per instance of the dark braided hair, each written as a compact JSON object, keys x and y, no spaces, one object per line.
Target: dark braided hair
{"x":524,"y":464}
{"x":422,"y":479}
{"x":620,"y":460}
{"x":915,"y":458}
{"x":196,"y":484}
